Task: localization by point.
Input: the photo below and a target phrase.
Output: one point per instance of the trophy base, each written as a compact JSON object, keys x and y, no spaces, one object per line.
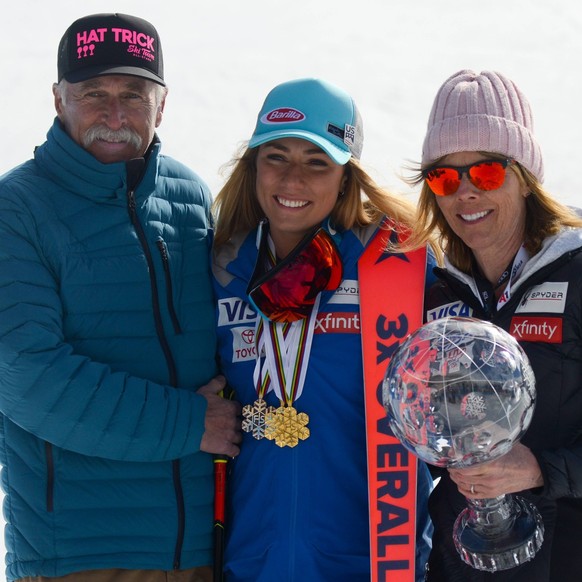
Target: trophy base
{"x":484,"y":540}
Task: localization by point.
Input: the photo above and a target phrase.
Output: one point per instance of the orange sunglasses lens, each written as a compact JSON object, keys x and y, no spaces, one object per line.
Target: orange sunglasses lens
{"x":485,"y":175}
{"x":488,"y":175}
{"x":443,"y":181}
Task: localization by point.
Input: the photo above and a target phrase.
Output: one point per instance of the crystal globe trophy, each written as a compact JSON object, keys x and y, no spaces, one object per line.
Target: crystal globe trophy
{"x":460,"y":391}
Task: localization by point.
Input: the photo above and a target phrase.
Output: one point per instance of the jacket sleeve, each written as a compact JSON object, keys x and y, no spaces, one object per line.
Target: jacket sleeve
{"x":67,"y":399}
{"x":562,"y":471}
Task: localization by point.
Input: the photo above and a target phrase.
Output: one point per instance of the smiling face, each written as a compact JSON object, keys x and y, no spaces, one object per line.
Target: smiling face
{"x":491,"y":223}
{"x":113,"y":117}
{"x":297,"y":187}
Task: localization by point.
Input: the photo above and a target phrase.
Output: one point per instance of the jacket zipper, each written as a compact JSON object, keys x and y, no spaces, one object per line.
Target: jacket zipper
{"x":50,"y":477}
{"x":154,"y":285}
{"x":169,"y":290}
{"x":181,"y":519}
{"x":170,"y":361}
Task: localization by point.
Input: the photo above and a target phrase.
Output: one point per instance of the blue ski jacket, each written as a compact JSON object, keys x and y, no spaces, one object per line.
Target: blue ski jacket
{"x":106,"y":330}
{"x":298,"y":514}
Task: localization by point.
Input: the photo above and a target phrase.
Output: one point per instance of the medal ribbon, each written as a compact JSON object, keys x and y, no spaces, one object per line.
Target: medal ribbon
{"x":286,"y":347}
{"x":262,"y":382}
{"x":287,"y":356}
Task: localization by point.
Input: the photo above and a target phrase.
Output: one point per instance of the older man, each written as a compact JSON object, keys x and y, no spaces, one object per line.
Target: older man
{"x":109,"y":403}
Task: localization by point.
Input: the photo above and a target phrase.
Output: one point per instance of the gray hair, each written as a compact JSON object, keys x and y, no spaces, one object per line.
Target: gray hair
{"x":61,"y":90}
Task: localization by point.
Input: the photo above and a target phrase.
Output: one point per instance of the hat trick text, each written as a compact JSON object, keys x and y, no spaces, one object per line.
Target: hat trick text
{"x":87,"y":38}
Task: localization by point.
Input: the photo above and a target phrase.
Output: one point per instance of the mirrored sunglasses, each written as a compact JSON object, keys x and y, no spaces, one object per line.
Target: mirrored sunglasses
{"x":484,"y":174}
{"x":287,"y":292}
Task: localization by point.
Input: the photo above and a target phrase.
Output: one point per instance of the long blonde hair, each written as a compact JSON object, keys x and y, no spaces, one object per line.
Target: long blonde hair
{"x":363,"y":202}
{"x":545,"y":216}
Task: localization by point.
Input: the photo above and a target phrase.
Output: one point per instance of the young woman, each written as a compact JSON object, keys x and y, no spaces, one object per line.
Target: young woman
{"x":292,"y":222}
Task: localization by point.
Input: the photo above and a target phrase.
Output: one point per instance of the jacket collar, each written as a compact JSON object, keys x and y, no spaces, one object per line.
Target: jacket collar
{"x":75,"y":169}
{"x":554,"y":247}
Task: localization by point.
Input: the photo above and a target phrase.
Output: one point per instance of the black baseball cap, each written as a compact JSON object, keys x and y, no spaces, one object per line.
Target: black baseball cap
{"x":110,"y":44}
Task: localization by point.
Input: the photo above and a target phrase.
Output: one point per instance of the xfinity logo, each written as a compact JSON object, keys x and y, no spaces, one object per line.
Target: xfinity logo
{"x":537,"y":329}
{"x":344,"y":322}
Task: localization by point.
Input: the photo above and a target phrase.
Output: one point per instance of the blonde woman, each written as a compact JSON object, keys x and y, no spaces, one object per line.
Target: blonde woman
{"x":513,"y":257}
{"x":292,"y":222}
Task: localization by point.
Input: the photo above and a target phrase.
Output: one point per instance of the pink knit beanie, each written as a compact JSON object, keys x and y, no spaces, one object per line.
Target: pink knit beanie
{"x":482,"y":112}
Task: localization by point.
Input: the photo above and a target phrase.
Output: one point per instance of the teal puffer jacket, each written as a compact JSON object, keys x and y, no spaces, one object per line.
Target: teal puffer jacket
{"x":106,"y":331}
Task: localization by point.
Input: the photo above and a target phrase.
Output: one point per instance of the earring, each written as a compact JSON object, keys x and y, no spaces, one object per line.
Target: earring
{"x":340,"y":194}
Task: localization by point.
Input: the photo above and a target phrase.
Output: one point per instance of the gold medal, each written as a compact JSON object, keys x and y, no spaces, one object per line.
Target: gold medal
{"x":254,"y":418}
{"x":286,"y":426}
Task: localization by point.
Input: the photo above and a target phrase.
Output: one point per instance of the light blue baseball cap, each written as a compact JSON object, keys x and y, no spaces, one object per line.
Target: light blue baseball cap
{"x":314,"y":110}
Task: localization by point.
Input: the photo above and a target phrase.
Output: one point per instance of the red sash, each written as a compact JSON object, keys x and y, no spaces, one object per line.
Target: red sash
{"x":391,"y":306}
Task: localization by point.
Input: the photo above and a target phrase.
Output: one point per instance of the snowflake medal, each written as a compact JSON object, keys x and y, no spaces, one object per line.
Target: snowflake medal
{"x":255,"y":416}
{"x":286,"y":426}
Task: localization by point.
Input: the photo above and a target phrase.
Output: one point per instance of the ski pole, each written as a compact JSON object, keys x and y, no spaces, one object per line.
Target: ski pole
{"x":220,"y":478}
{"x":220,"y":466}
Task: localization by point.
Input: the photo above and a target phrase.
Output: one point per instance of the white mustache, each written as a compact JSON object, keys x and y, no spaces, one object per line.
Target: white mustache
{"x":123,"y":135}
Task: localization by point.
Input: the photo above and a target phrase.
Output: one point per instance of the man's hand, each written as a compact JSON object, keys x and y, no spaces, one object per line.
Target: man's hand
{"x":222,"y":423}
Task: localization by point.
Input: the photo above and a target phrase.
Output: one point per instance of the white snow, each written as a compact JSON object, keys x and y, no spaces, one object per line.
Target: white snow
{"x":223,"y":56}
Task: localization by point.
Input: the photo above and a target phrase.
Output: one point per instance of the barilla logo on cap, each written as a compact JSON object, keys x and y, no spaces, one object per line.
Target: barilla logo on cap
{"x":283,"y":115}
{"x":138,"y":43}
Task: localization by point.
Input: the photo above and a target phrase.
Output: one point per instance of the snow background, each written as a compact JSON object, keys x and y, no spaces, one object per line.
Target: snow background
{"x":223,"y":56}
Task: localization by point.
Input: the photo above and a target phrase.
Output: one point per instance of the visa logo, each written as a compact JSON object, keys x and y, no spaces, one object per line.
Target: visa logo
{"x":456,"y":309}
{"x":233,"y":311}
